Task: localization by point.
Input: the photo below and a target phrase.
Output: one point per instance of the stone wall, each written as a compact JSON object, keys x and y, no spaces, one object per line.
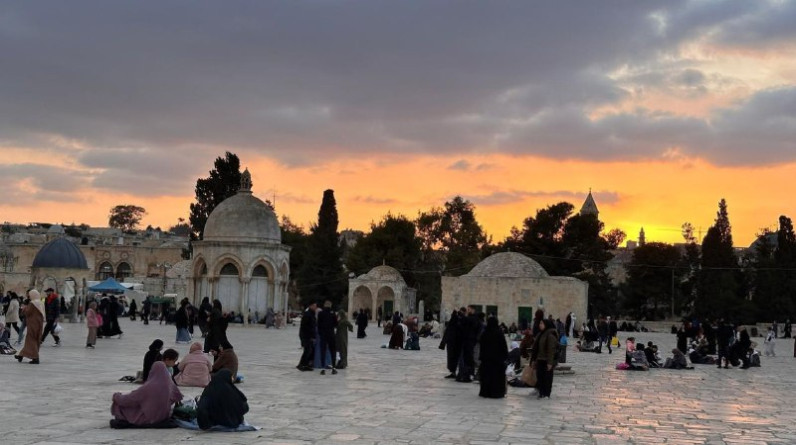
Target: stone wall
{"x":557,"y":296}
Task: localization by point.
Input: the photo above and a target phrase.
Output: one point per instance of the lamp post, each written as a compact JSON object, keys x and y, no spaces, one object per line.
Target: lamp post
{"x":166,"y":266}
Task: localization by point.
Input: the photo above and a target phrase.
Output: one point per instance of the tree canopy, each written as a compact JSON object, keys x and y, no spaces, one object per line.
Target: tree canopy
{"x":223,"y":182}
{"x":321,"y":276}
{"x":126,"y":217}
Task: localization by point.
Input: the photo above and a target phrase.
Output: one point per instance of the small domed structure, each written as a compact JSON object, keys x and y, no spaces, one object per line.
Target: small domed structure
{"x":60,"y":253}
{"x":243,"y":217}
{"x":382,"y":287}
{"x":383,"y":273}
{"x":508,"y":265}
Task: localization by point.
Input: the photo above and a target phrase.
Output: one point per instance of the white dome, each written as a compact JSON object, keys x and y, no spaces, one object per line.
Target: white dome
{"x":243,"y":217}
{"x":383,"y":273}
{"x":508,"y":265}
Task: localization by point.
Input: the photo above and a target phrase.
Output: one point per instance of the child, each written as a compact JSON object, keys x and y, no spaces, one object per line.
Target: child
{"x":770,"y":342}
{"x":630,"y":346}
{"x":170,"y":357}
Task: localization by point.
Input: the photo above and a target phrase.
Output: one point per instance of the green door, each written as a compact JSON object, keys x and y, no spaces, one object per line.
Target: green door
{"x":478,"y":308}
{"x":388,"y":309}
{"x":491,"y":310}
{"x":526,"y":313}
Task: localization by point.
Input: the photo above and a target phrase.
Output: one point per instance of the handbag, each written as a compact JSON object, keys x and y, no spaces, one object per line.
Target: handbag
{"x":58,"y":329}
{"x":529,"y":375}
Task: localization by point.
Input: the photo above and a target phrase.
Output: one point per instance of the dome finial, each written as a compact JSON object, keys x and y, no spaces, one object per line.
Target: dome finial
{"x":246,"y":181}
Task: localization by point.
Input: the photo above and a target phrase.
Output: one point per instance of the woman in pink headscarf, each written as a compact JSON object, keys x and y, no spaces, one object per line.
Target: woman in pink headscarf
{"x":194,"y":368}
{"x":148,"y":405}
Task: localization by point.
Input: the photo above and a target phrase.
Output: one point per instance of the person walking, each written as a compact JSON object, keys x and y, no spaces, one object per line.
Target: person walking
{"x":146,"y":309}
{"x":53,"y":311}
{"x":362,"y":323}
{"x":379,"y":315}
{"x":469,"y":332}
{"x":113,"y":318}
{"x":204,"y":314}
{"x":493,"y":356}
{"x":770,"y":342}
{"x":12,"y":313}
{"x":544,"y":357}
{"x":602,"y":332}
{"x":132,"y":310}
{"x":343,"y":328}
{"x":34,"y":318}
{"x":181,"y":323}
{"x":92,"y":323}
{"x":307,"y":337}
{"x":216,"y":328}
{"x":451,"y":340}
{"x":327,"y":322}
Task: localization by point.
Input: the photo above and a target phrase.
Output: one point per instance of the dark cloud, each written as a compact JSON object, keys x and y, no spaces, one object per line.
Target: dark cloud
{"x":26,"y":183}
{"x":151,"y":91}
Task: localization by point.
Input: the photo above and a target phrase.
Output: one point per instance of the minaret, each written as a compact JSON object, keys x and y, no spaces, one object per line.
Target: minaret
{"x":589,"y":206}
{"x":642,"y":239}
{"x":245,"y":182}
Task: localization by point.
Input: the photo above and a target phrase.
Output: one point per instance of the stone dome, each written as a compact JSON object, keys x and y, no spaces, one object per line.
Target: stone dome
{"x":60,"y":253}
{"x":383,"y":273}
{"x":508,"y":265}
{"x":243,"y":217}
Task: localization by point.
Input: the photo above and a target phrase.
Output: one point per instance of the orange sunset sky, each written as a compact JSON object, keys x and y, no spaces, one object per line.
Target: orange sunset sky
{"x":660,"y":108}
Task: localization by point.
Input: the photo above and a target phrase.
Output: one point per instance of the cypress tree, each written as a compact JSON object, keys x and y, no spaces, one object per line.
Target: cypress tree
{"x":322,"y":276}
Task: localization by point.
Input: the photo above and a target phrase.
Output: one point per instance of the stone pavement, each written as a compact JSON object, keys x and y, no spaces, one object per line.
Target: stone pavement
{"x":388,"y":397}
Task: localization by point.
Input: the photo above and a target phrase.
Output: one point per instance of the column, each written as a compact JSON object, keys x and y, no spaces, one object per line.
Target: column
{"x":243,"y":295}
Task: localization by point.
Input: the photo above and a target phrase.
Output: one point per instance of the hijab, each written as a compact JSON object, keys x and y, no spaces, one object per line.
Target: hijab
{"x":493,"y":343}
{"x":195,"y":346}
{"x":155,"y":397}
{"x":152,"y":357}
{"x":35,"y":300}
{"x":221,"y":403}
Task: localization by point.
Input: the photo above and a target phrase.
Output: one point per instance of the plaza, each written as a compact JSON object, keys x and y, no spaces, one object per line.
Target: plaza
{"x":387,"y":396}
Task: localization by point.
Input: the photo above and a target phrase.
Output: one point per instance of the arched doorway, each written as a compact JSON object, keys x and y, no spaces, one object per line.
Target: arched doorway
{"x":50,"y":282}
{"x":259,"y":299}
{"x":200,"y":285}
{"x":362,"y":299}
{"x":123,"y":270}
{"x":104,"y":271}
{"x":229,"y":288}
{"x":386,"y":300}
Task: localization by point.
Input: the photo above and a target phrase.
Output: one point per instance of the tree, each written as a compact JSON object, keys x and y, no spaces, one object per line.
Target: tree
{"x":126,"y":217}
{"x":690,"y":264}
{"x":719,"y":291}
{"x":181,"y":228}
{"x":321,"y":276}
{"x":392,"y":241}
{"x":651,"y":277}
{"x":223,"y":182}
{"x":453,"y":233}
{"x":541,"y":236}
{"x":294,"y":236}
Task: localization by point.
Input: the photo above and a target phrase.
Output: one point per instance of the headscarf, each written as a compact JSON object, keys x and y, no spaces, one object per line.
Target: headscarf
{"x":514,"y":345}
{"x":35,"y":300}
{"x":195,"y":346}
{"x":493,"y":343}
{"x":151,"y":357}
{"x":221,"y":403}
{"x":342,"y":316}
{"x":153,"y":399}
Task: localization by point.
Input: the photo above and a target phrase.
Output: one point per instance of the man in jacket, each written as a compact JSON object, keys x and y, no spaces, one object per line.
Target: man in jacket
{"x":327,"y":321}
{"x":469,"y":328}
{"x":52,"y":307}
{"x":307,"y":337}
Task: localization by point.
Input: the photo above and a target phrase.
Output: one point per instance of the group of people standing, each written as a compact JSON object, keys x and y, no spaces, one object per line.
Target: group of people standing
{"x":325,"y":330}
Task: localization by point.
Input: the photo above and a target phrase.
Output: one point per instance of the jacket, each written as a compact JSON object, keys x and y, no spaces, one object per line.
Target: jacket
{"x":53,"y":307}
{"x":546,"y":345}
{"x":308,"y":326}
{"x":12,"y":313}
{"x":227,"y":359}
{"x":194,"y":370}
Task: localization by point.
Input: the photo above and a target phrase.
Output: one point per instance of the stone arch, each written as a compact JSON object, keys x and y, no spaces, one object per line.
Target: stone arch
{"x":49,"y":281}
{"x":228,"y":286}
{"x":227,"y":259}
{"x":260,"y":290}
{"x":199,"y":266}
{"x":283,"y":272}
{"x":263,"y":262}
{"x":123,"y":270}
{"x":201,"y":284}
{"x":362,"y":297}
{"x":104,"y":270}
{"x":387,"y":294}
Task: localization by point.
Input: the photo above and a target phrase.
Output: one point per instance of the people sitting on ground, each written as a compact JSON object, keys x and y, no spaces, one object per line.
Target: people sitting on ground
{"x":698,"y":358}
{"x":503,"y":328}
{"x":651,"y":352}
{"x":513,"y":328}
{"x":412,"y":342}
{"x":435,"y":328}
{"x":739,"y":351}
{"x":221,"y":403}
{"x":170,"y":357}
{"x":397,"y":337}
{"x":194,"y":369}
{"x":225,"y":358}
{"x":149,"y":405}
{"x":589,"y":342}
{"x":387,"y":328}
{"x":425,"y":330}
{"x":677,"y":361}
{"x":630,"y":347}
{"x":152,"y":355}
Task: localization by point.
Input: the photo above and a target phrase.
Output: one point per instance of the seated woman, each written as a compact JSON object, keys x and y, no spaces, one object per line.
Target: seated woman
{"x":677,"y":361}
{"x":225,"y":359}
{"x":397,"y":337}
{"x":515,"y":357}
{"x":152,"y":356}
{"x":148,"y":405}
{"x":630,"y":346}
{"x":221,"y":403}
{"x":194,"y":369}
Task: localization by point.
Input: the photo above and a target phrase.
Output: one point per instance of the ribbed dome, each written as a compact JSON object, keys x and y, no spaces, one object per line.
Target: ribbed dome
{"x":384,"y":273}
{"x":60,"y":253}
{"x":243,"y":217}
{"x":508,"y":265}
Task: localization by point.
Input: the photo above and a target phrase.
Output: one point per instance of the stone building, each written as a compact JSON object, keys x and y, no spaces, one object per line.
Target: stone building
{"x":513,"y":287}
{"x":241,"y":261}
{"x":60,"y":265}
{"x":383,"y":286}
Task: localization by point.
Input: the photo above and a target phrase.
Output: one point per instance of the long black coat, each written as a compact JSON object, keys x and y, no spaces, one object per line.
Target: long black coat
{"x":216,"y":331}
{"x":494,"y":355}
{"x":308,"y":326}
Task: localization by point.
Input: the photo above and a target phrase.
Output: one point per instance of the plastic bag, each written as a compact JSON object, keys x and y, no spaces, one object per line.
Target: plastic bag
{"x":58,"y":329}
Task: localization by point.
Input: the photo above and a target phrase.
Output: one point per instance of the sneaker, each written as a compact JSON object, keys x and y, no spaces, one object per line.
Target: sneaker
{"x":323,"y":372}
{"x":57,"y":344}
{"x":451,"y":376}
{"x":534,"y":392}
{"x":334,"y":371}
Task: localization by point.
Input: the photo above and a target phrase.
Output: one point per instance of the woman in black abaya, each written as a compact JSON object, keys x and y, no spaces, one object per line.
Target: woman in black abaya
{"x":221,"y":403}
{"x":494,"y":354}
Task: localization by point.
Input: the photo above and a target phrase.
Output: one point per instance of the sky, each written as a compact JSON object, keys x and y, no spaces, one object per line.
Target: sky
{"x":661,"y":108}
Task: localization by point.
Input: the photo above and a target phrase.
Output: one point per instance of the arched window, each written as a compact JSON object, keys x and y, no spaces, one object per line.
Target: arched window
{"x":105,"y":271}
{"x":260,"y":271}
{"x":123,"y":270}
{"x":204,"y":270}
{"x":229,"y":269}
